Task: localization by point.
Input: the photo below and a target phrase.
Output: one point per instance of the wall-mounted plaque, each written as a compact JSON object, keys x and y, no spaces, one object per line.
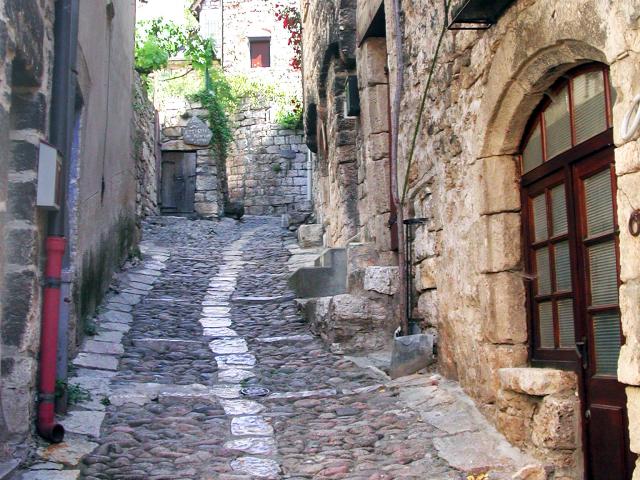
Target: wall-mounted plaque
{"x":197,"y":133}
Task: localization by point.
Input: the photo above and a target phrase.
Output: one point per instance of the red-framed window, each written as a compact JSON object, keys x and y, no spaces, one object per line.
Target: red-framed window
{"x":260,"y":49}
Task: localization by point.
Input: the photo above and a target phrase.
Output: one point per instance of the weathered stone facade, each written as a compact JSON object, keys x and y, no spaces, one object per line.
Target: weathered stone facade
{"x":210,"y":185}
{"x":101,"y":182}
{"x":147,"y":151}
{"x":351,"y":175}
{"x":267,"y":165}
{"x":470,"y":270}
{"x":25,"y":85}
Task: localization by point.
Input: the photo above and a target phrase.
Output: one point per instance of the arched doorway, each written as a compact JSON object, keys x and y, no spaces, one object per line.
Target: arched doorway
{"x":571,"y":251}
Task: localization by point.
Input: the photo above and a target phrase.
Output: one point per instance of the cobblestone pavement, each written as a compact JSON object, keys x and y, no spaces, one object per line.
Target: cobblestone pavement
{"x":208,"y":314}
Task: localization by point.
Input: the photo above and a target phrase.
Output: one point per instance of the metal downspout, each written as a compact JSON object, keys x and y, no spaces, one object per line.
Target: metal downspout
{"x":61,"y":131}
{"x":395,"y":124}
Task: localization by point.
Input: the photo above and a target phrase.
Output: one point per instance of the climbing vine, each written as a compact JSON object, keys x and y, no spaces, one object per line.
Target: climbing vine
{"x":219,"y":100}
{"x":292,"y":21}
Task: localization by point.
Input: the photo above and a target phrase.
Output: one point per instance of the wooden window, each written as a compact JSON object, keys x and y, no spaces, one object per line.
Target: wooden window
{"x":570,"y":232}
{"x":260,"y":52}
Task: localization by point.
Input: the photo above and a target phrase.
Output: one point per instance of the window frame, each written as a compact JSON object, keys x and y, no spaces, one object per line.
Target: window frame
{"x":259,"y":40}
{"x":550,"y":173}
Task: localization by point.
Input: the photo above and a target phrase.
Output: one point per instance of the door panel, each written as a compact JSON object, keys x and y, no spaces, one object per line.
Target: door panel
{"x":609,"y":454}
{"x":607,"y":427}
{"x":178,"y":182}
{"x":573,"y":256}
{"x":167,"y":185}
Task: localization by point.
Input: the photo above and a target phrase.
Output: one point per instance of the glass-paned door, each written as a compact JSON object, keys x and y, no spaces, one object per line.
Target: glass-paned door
{"x":594,"y":184}
{"x":572,"y":256}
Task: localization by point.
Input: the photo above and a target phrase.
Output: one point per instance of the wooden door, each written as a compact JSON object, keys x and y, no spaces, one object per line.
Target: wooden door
{"x":573,"y":254}
{"x":600,"y":331}
{"x":178,"y":182}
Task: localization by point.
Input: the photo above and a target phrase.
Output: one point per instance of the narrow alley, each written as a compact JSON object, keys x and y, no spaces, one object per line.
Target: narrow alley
{"x":319,"y":239}
{"x":202,"y":368}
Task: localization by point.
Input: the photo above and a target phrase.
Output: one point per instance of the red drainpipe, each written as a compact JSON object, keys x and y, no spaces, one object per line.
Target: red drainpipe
{"x":47,"y":426}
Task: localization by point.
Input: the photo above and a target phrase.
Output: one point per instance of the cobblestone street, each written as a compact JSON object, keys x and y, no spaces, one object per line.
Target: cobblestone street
{"x":205,"y":317}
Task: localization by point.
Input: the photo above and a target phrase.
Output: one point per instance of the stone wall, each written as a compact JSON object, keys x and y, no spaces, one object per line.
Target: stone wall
{"x":267,"y":165}
{"x":211,"y":186}
{"x":147,"y":151}
{"x":102,"y":213}
{"x":26,"y":46}
{"x":465,"y":181}
{"x":101,"y":184}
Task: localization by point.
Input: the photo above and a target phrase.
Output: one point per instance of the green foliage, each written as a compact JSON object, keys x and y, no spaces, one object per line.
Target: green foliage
{"x":290,"y":116}
{"x":75,"y":393}
{"x":290,"y":120}
{"x":150,"y":57}
{"x":157,"y":40}
{"x":176,"y":84}
{"x":276,"y":167}
{"x":256,"y":92}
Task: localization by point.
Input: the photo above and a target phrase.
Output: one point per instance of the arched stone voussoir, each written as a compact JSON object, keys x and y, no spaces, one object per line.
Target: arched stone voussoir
{"x":515,"y":91}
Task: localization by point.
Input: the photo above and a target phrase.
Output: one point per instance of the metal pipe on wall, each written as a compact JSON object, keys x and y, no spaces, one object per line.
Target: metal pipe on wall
{"x":395,"y":124}
{"x":61,"y":134}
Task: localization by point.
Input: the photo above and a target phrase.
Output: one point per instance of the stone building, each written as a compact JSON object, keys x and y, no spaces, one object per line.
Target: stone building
{"x":267,"y":164}
{"x":76,"y":95}
{"x":527,"y":178}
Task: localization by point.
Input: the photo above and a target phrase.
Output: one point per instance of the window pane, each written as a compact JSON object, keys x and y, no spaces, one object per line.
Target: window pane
{"x":545,"y":316}
{"x":603,"y":274}
{"x":565,"y":322}
{"x":563,"y":266}
{"x":599,"y":203}
{"x":559,"y":210}
{"x":543,"y":271}
{"x":606,"y":335}
{"x":260,"y":53}
{"x":558,"y":124}
{"x":540,"y":218}
{"x":532,"y":155}
{"x":590,"y":107}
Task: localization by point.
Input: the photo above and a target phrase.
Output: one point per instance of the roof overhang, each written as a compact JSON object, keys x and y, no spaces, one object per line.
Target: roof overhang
{"x":478,"y":14}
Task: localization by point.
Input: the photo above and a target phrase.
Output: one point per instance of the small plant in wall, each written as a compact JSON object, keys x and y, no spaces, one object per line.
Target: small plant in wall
{"x":276,"y":168}
{"x":289,"y":116}
{"x":292,"y":21}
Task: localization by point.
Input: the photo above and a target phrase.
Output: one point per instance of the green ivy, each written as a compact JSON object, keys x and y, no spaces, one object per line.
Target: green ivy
{"x":218,"y":99}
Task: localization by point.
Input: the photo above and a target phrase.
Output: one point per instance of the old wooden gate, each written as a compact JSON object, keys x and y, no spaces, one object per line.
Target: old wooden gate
{"x":178,"y":182}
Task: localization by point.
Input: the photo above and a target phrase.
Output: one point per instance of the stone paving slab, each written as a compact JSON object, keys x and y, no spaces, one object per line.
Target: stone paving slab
{"x":84,"y":422}
{"x":95,"y":360}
